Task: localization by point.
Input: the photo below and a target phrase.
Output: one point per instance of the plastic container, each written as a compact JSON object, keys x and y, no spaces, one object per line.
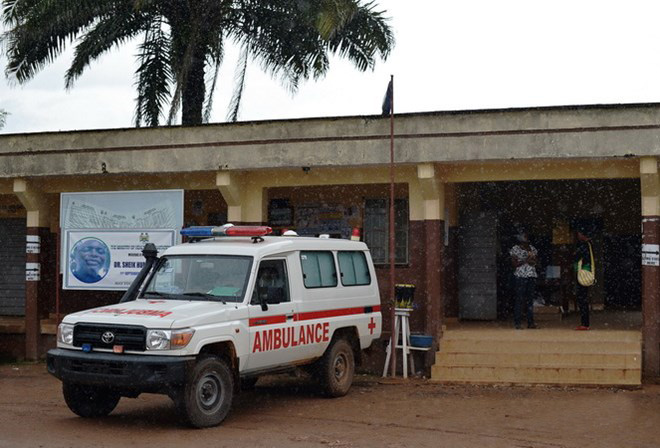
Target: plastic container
{"x":421,"y":340}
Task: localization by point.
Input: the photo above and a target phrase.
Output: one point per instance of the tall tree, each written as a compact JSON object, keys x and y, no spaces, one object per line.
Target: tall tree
{"x":183,"y":43}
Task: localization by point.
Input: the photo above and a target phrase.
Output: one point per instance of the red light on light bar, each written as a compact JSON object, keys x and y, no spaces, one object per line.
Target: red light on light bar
{"x":248,"y":231}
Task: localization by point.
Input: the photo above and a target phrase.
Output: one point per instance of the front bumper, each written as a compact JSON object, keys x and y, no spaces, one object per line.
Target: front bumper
{"x":136,"y":373}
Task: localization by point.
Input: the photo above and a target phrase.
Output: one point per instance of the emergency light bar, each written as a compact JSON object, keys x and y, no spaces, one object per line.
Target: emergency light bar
{"x":225,"y":230}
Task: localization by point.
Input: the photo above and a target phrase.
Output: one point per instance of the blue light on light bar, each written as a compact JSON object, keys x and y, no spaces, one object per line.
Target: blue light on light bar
{"x":197,"y":231}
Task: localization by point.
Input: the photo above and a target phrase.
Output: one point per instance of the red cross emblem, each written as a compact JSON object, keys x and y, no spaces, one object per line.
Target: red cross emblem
{"x":371,"y":326}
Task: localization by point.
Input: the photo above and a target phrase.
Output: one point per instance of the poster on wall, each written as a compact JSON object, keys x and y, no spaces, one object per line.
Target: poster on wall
{"x":151,"y":209}
{"x":108,"y":259}
{"x":334,"y":220}
{"x":129,"y":213}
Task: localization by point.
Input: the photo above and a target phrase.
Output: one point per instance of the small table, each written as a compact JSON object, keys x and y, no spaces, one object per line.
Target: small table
{"x":402,"y":325}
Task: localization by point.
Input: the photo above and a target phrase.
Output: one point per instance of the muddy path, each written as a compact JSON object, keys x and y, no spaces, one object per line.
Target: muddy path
{"x":287,"y":412}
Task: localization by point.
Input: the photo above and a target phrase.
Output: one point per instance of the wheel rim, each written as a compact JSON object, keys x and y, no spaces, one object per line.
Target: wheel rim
{"x":340,"y":366}
{"x":209,"y":392}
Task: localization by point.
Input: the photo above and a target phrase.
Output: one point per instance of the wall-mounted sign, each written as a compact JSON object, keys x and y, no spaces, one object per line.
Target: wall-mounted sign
{"x":33,"y":244}
{"x":108,"y":259}
{"x":650,"y":255}
{"x":32,"y":272}
{"x":123,"y":217}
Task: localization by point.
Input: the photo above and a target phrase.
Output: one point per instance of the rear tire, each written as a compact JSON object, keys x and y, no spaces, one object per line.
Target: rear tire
{"x":89,"y":401}
{"x":208,"y":394}
{"x":336,"y":369}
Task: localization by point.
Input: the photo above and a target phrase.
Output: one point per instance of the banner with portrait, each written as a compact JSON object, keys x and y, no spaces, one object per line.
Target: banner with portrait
{"x":108,"y":259}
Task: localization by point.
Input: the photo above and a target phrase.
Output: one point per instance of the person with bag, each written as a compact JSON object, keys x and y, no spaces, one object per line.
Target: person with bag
{"x":585,"y":268}
{"x":523,"y":259}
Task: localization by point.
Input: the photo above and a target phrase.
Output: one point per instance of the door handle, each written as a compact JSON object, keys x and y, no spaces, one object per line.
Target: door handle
{"x":289,"y":316}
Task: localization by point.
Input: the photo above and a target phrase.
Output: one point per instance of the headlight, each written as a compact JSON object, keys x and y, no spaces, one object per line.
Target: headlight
{"x":65,"y":334}
{"x":158,"y":340}
{"x":166,"y":339}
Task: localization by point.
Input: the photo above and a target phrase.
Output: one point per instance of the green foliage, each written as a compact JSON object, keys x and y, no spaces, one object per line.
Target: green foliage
{"x":182,"y":43}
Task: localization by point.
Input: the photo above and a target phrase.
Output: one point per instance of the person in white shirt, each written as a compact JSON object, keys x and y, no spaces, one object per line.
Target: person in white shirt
{"x":523,"y":259}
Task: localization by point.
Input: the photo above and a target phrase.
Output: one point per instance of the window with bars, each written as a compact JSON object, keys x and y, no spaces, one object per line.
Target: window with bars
{"x":376,"y":230}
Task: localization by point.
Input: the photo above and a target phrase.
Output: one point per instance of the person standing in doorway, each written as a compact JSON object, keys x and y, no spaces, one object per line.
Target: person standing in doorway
{"x":585,"y":259}
{"x":523,"y":259}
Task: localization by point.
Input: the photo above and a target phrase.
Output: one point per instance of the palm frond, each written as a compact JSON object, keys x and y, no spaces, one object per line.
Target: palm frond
{"x":109,"y":32}
{"x":215,"y":61}
{"x":154,"y":76}
{"x":333,"y":15}
{"x":239,"y":84}
{"x":41,"y":30}
{"x":364,"y":38}
{"x":269,"y":31}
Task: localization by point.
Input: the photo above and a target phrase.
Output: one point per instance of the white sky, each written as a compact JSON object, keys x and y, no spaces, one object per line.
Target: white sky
{"x":449,"y":55}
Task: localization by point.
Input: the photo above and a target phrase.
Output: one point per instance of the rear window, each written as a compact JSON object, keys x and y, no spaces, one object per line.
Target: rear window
{"x":318,"y":269}
{"x":353,"y":268}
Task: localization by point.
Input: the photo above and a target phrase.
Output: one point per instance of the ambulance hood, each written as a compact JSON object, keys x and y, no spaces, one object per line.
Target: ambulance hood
{"x":161,"y":314}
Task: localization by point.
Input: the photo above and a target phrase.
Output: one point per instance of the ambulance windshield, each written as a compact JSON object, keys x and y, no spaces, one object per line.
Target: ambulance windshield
{"x":200,"y":277}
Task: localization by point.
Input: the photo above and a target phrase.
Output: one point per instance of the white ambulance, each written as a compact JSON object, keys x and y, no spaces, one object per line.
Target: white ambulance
{"x":209,"y":316}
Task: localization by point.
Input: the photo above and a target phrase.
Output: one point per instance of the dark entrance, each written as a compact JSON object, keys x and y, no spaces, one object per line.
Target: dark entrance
{"x":12,"y":264}
{"x":548,"y":211}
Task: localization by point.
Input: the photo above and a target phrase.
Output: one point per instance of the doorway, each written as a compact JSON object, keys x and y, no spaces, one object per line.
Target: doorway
{"x":549,"y":211}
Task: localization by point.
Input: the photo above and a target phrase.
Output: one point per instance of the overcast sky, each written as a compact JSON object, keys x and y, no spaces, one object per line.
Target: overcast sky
{"x":449,"y":55}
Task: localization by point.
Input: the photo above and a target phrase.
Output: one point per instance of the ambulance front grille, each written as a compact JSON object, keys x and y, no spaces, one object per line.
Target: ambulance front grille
{"x":132,"y":338}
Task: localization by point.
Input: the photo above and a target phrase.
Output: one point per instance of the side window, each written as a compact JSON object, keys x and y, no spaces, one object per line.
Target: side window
{"x":318,"y":269}
{"x":353,"y":268}
{"x":272,"y":283}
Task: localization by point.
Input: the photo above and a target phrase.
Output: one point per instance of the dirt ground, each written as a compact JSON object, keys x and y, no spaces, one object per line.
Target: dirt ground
{"x":286,"y":412}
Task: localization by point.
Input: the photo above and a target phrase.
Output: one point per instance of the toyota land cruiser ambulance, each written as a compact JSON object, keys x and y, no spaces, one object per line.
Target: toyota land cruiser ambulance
{"x":209,"y":316}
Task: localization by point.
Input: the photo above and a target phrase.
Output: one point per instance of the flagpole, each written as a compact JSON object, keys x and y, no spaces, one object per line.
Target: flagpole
{"x":394,"y":338}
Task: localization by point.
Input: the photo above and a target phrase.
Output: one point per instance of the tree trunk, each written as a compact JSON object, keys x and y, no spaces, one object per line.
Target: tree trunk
{"x":193,"y":92}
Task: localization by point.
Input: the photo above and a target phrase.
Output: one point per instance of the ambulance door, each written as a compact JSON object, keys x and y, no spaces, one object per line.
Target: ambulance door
{"x":272,"y":315}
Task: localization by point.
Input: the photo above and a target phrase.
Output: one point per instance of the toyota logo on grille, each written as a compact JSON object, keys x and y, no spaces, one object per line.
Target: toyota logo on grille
{"x":108,"y":337}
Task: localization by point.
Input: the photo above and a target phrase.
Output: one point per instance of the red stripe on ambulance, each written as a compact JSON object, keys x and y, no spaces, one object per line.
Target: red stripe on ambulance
{"x":333,"y":313}
{"x":268,"y":320}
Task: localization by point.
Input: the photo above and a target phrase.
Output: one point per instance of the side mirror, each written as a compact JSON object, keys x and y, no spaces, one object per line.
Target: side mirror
{"x":262,"y":293}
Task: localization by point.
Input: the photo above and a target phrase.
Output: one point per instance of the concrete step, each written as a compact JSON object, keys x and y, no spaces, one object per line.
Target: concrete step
{"x":48,"y":326}
{"x":552,"y":335}
{"x":12,"y":325}
{"x":558,"y":360}
{"x":532,"y":346}
{"x":551,"y":356}
{"x":536,"y":375}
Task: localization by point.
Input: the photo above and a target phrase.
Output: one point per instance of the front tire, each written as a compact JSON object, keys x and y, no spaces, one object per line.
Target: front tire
{"x":249,"y":382}
{"x":89,"y":401}
{"x":208,"y":394}
{"x":336,"y":369}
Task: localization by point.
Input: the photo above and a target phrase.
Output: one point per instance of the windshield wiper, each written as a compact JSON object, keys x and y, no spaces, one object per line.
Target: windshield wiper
{"x":205,"y":295}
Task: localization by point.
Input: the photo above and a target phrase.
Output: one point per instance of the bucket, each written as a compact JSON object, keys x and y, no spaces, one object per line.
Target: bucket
{"x":421,"y":340}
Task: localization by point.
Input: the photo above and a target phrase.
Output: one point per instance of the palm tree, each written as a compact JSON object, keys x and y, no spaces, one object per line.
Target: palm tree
{"x":183,"y":43}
